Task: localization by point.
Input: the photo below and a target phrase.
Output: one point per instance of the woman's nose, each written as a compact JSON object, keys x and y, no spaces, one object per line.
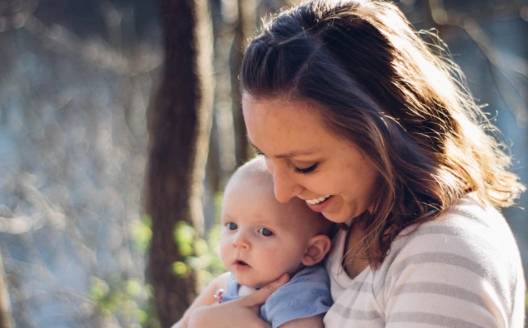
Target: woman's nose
{"x":284,"y":187}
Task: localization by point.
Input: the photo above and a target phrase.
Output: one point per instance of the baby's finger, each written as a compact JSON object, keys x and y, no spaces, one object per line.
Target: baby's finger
{"x":260,"y":296}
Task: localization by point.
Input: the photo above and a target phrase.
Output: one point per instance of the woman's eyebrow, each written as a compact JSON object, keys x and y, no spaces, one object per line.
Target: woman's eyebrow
{"x":289,"y":154}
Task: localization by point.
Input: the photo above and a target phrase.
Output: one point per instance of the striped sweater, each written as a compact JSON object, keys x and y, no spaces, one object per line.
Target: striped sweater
{"x":461,"y":270}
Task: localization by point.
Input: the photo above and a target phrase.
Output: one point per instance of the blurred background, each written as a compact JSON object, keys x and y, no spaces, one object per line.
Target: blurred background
{"x":84,"y":92}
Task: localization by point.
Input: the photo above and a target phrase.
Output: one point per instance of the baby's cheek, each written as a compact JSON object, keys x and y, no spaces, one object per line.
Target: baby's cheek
{"x":271,"y":247}
{"x":223,"y":251}
{"x":277,"y":254}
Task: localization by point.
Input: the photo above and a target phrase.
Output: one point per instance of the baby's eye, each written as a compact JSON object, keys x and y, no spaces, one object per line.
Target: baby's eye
{"x":231,"y":226}
{"x":265,"y":232}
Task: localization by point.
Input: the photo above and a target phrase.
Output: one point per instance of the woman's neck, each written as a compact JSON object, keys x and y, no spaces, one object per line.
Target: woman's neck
{"x":354,"y":259}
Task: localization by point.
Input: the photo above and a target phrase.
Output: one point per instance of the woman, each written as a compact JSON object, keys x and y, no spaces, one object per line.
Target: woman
{"x":357,"y":116}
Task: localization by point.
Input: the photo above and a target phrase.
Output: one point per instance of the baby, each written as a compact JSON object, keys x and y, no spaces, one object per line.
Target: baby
{"x":261,"y":240}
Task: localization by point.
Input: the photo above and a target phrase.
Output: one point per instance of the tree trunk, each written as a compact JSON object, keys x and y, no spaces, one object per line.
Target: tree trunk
{"x":179,"y":126}
{"x":245,"y":26}
{"x":5,"y":308}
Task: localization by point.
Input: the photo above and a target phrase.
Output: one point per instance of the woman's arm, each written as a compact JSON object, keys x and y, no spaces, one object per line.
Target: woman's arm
{"x":238,"y":313}
{"x":312,"y":322}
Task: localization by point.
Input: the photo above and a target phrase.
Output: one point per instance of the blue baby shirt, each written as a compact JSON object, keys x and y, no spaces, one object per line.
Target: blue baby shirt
{"x":305,"y":295}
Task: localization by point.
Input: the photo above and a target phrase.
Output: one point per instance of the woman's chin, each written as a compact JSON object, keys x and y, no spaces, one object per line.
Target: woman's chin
{"x":336,"y":217}
{"x":342,"y":214}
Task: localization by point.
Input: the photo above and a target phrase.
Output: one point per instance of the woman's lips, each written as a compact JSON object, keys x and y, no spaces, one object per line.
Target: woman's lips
{"x":319,"y":207}
{"x":317,"y":200}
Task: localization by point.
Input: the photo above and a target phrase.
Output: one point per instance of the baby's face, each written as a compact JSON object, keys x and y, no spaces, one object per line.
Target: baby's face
{"x":262,"y":238}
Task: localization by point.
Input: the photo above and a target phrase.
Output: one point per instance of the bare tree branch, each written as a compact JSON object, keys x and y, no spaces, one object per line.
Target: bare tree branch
{"x":496,"y":58}
{"x":94,"y":52}
{"x":19,"y":14}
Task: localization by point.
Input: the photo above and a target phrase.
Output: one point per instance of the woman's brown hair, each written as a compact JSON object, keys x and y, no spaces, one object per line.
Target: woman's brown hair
{"x":385,"y":89}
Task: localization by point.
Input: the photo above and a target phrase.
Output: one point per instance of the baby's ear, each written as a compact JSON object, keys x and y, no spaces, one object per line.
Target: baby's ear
{"x":318,"y":247}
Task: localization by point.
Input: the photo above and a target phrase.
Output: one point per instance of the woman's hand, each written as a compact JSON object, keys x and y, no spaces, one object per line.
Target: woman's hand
{"x":242,"y":312}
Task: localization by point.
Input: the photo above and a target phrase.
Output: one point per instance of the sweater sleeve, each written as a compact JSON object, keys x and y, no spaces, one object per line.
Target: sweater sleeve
{"x":454,"y":273}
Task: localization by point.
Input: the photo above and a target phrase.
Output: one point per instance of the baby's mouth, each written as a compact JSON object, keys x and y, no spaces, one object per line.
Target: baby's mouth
{"x":241,"y":263}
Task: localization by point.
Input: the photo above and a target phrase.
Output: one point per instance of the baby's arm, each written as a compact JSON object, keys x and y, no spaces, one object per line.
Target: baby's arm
{"x":206,"y":297}
{"x":311,"y":322}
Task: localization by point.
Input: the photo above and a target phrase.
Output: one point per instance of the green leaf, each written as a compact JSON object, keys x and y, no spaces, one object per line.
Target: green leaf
{"x":200,"y":247}
{"x":133,"y":287}
{"x":184,"y":235}
{"x":98,"y":289}
{"x":142,"y":233}
{"x":180,"y":269}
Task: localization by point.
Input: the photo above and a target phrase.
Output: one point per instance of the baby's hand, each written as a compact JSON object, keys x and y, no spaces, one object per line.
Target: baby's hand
{"x":219,"y":296}
{"x":241,"y":312}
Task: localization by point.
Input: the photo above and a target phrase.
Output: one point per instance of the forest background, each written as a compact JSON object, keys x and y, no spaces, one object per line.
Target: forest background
{"x":120,"y":122}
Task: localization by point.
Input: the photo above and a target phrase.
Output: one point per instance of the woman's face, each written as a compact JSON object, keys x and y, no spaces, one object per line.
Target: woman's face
{"x":307,"y":160}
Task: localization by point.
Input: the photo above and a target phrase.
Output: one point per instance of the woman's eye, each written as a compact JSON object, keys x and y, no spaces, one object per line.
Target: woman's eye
{"x":258,"y":152}
{"x":231,"y":226}
{"x":265,"y":232}
{"x":305,"y":170}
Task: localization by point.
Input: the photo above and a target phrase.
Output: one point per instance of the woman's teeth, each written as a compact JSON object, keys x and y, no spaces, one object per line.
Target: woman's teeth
{"x":316,"y":201}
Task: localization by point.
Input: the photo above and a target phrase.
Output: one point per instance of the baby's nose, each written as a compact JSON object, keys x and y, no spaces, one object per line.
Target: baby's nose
{"x":240,"y":241}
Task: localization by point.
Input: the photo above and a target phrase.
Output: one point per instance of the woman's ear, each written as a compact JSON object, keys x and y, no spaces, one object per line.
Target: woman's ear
{"x":318,"y":247}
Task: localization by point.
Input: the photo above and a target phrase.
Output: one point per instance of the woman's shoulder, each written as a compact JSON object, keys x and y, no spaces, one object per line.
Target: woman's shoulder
{"x":469,"y":227}
{"x":470,"y":241}
{"x":465,"y":260}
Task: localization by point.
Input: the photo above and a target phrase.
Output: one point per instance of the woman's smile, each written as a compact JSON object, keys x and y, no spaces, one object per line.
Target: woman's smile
{"x":316,"y":201}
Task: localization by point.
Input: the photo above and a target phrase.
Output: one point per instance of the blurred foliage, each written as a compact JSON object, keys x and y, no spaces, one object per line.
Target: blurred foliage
{"x":131,"y":298}
{"x":199,"y":255}
{"x":122,"y":299}
{"x":141,"y":233}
